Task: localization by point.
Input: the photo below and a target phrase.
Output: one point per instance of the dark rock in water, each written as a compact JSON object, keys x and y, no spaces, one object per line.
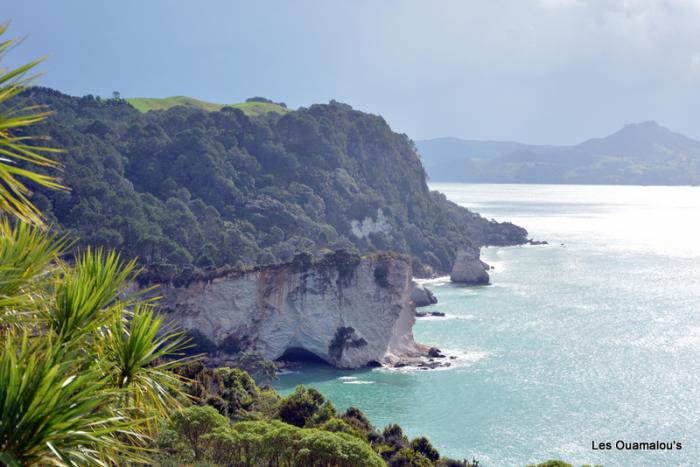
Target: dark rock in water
{"x":422,"y":296}
{"x":434,"y":352}
{"x":468,"y":268}
{"x":537,"y":242}
{"x":425,"y":314}
{"x":432,"y":365}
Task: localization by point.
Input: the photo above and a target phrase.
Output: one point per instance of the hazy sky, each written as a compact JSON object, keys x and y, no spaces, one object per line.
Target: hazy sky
{"x":547,"y":71}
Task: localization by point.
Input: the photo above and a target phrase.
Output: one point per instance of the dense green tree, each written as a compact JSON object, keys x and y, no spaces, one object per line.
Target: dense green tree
{"x":300,"y":407}
{"x":260,"y":443}
{"x":423,"y":446}
{"x":193,"y":423}
{"x":406,"y":457}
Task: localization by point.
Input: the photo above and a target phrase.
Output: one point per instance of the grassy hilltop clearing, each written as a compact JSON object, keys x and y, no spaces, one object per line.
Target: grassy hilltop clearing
{"x":252,"y":108}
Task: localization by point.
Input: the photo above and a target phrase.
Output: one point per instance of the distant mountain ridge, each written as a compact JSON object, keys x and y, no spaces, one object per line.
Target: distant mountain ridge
{"x":638,"y":154}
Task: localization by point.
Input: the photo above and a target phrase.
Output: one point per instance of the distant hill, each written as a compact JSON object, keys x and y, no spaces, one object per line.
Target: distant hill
{"x":638,"y":154}
{"x":250,"y":108}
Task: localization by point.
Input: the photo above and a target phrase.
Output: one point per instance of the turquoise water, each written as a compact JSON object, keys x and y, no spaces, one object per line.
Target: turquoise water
{"x":597,"y":339}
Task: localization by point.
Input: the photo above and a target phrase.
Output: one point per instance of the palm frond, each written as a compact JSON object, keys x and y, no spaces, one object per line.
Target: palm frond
{"x":14,"y":147}
{"x":26,"y":256}
{"x":85,"y":293}
{"x":140,"y":354}
{"x":54,"y":411}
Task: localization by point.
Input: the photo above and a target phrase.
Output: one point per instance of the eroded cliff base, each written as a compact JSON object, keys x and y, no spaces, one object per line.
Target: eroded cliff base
{"x":347,"y":310}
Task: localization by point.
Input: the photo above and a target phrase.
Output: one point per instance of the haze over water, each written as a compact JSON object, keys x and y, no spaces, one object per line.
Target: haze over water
{"x":594,"y":340}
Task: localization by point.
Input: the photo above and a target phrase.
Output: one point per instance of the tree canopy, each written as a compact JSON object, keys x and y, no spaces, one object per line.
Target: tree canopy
{"x":185,"y":187}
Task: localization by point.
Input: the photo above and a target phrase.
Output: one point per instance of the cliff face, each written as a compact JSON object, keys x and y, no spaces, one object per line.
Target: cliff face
{"x":348,"y":315}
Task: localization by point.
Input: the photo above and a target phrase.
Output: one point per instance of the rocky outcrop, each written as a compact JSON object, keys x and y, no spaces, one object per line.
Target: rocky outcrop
{"x":348,"y":311}
{"x":422,"y":296}
{"x":435,"y":314}
{"x":468,"y":268}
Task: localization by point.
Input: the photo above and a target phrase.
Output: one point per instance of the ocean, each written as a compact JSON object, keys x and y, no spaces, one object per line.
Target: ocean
{"x":594,"y":338}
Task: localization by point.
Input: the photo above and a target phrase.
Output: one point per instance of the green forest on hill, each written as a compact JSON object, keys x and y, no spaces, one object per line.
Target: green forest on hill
{"x":183,"y":187}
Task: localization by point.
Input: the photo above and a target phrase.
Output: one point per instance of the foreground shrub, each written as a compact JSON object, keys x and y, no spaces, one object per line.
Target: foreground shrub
{"x":204,"y":435}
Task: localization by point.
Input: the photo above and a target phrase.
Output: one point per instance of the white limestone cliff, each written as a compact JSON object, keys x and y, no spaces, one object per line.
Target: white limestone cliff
{"x":348,"y":315}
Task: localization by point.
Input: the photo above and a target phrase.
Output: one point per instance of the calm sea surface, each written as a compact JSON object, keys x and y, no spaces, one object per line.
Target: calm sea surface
{"x":595,"y":337}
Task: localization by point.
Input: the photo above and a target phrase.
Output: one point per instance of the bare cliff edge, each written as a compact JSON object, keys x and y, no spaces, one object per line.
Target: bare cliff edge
{"x":349,"y":311}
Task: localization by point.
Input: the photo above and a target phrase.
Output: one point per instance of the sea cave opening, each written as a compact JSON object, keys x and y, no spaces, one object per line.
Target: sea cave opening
{"x":300,"y":355}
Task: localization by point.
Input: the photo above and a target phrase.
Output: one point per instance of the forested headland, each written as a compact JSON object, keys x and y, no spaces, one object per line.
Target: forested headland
{"x":187,"y":188}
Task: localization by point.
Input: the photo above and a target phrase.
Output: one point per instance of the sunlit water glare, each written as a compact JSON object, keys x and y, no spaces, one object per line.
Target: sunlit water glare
{"x":595,"y":337}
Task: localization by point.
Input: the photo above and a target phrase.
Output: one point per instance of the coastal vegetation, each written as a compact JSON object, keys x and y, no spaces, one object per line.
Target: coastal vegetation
{"x":239,"y":423}
{"x":185,"y":188}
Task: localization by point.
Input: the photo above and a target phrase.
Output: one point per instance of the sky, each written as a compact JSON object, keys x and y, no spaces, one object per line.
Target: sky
{"x":534,"y":71}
